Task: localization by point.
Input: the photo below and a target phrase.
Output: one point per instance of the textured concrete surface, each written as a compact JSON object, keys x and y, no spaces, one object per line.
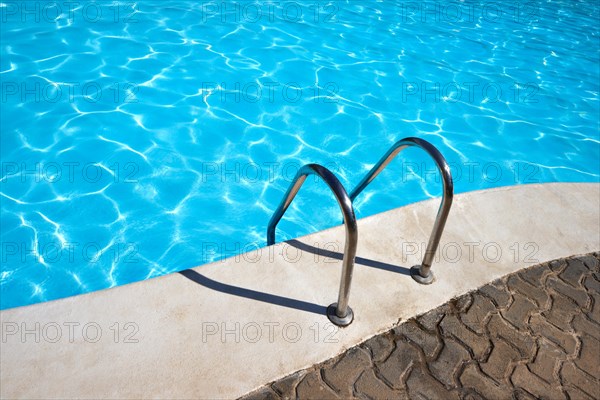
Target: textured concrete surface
{"x":534,"y":334}
{"x":225,"y":329}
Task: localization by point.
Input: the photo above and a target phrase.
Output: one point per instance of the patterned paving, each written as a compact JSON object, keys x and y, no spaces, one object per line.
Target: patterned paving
{"x":532,"y":334}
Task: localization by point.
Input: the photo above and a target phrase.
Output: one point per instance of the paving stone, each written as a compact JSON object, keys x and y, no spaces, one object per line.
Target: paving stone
{"x":347,"y":369}
{"x":594,"y":314}
{"x":589,"y":353}
{"x":579,"y":379}
{"x":576,"y":394}
{"x":522,"y":341}
{"x":536,"y":275}
{"x":286,"y":387}
{"x":395,"y":369}
{"x":578,"y":295}
{"x":519,"y":311}
{"x":478,"y":312}
{"x":557,"y":265}
{"x":428,"y":342}
{"x":471,"y":395}
{"x":500,"y":362}
{"x":431,"y":319}
{"x":474,"y":379}
{"x":478,"y":344}
{"x":590,"y":261}
{"x":537,"y":294}
{"x":520,"y":394}
{"x":592,"y":284}
{"x":449,"y":362}
{"x":373,"y":388}
{"x":565,"y":340}
{"x":264,"y":393}
{"x":312,"y":387}
{"x":497,"y":292}
{"x":422,"y":386}
{"x":524,"y":379}
{"x":574,"y":273}
{"x":583,"y":326}
{"x":562,"y":312}
{"x":547,"y":361}
{"x":380,"y":346}
{"x":462,"y":303}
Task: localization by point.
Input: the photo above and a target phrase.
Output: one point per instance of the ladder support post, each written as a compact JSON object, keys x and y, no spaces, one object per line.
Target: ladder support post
{"x":420,"y":273}
{"x":340,"y":312}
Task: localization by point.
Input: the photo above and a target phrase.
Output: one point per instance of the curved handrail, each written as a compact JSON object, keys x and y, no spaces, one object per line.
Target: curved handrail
{"x":339,"y":313}
{"x":422,"y":273}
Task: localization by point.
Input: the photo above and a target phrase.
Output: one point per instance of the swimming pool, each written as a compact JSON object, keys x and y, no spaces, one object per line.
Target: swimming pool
{"x":144,"y":138}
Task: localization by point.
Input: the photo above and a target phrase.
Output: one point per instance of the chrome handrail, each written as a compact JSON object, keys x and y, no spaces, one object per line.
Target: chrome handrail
{"x":339,"y":313}
{"x":422,"y":273}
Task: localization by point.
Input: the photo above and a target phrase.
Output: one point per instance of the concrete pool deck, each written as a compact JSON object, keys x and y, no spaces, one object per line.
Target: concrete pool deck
{"x":225,"y":329}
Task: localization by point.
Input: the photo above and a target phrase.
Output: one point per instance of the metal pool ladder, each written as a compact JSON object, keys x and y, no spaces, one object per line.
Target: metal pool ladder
{"x":340,"y":313}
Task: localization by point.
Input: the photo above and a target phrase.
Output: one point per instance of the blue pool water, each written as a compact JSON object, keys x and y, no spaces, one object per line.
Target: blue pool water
{"x":144,"y":138}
